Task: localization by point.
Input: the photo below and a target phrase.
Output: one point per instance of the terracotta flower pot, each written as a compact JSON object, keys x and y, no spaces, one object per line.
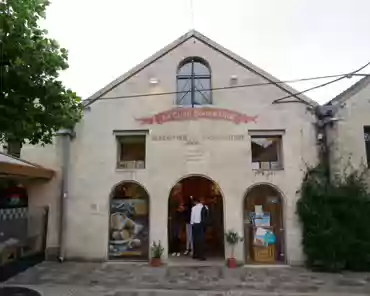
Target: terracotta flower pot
{"x":231,"y":263}
{"x":155,"y":262}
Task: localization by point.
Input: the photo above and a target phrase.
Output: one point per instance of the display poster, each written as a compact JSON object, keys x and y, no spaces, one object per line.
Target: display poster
{"x":258,"y":209}
{"x":264,"y":237}
{"x":129,"y":228}
{"x":259,"y":237}
{"x":263,"y":220}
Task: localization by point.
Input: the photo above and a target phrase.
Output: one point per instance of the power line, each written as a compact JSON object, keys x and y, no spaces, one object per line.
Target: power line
{"x":341,"y":76}
{"x":349,"y":75}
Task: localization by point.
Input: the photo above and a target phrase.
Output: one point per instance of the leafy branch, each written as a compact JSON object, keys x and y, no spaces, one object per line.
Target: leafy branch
{"x":34,"y":104}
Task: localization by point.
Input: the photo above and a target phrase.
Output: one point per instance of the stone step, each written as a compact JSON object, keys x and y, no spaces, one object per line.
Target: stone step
{"x":62,"y":290}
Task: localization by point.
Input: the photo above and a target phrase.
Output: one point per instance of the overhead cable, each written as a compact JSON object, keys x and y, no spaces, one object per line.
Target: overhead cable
{"x":339,"y":77}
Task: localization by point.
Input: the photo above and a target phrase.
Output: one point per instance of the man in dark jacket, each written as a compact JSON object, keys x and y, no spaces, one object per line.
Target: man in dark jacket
{"x":199,"y":228}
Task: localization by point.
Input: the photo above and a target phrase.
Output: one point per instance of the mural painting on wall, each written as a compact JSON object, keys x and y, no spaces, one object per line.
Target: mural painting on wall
{"x":129,"y":222}
{"x":185,"y":114}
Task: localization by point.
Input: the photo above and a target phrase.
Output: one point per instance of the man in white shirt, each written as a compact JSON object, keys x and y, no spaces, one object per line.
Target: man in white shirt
{"x":198,"y":230}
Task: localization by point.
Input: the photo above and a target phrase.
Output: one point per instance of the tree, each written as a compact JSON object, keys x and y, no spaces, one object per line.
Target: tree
{"x":335,"y":216}
{"x":34,"y":104}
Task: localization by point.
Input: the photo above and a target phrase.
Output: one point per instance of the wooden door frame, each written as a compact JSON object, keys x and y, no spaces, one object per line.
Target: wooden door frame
{"x":283,"y":219}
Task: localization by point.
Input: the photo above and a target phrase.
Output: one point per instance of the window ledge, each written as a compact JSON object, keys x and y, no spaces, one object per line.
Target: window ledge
{"x":268,"y":170}
{"x":195,"y":106}
{"x":129,"y":169}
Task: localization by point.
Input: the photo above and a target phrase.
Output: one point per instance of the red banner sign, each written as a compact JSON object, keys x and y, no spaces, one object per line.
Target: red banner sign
{"x":184,"y":114}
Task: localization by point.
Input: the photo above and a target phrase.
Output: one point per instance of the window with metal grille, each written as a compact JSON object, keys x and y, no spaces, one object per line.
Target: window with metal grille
{"x":194,"y":83}
{"x":367,"y":143}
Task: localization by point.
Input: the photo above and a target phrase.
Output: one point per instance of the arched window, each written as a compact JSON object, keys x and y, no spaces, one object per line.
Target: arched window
{"x":194,"y":83}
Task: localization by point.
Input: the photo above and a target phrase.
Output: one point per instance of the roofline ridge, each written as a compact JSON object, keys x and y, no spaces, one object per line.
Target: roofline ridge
{"x":183,"y":38}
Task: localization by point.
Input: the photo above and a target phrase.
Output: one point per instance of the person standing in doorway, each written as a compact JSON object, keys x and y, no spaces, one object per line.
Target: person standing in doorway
{"x":198,"y":231}
{"x":204,"y":216}
{"x":189,"y":232}
{"x":176,"y":230}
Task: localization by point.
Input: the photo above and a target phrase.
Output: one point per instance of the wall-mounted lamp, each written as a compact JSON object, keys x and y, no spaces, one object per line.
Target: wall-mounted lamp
{"x":153,"y":81}
{"x":233,"y":79}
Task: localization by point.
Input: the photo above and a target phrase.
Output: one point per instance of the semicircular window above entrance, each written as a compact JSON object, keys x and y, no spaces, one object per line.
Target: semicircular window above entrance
{"x":129,"y":222}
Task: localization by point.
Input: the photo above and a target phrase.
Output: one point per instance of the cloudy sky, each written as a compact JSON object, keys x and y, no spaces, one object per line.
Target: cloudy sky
{"x":287,"y":38}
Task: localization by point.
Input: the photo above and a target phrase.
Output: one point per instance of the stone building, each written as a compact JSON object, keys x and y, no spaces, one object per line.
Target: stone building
{"x":194,"y":120}
{"x":348,"y":128}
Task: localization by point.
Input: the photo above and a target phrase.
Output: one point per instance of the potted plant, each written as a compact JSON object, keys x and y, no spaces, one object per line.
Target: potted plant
{"x":157,"y":252}
{"x":232,"y":239}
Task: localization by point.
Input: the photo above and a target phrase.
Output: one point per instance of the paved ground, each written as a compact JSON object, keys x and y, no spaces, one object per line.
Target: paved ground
{"x":117,"y":279}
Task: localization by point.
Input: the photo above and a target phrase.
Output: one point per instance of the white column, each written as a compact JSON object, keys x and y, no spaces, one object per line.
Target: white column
{"x":233,"y":220}
{"x":158,"y":220}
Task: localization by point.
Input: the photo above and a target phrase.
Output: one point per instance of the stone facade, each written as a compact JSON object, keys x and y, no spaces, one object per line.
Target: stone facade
{"x":346,"y":133}
{"x":93,"y":172}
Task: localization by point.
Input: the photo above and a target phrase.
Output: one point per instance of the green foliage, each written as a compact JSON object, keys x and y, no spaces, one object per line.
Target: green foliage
{"x":157,"y":250}
{"x":335,"y":216}
{"x":33,"y":102}
{"x":233,"y":238}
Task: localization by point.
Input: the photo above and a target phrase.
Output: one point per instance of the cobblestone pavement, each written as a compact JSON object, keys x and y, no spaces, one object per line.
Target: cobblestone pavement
{"x":116,"y":279}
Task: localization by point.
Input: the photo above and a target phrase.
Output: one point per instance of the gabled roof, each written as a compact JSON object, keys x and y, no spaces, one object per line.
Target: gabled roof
{"x":351,"y":91}
{"x":241,"y":61}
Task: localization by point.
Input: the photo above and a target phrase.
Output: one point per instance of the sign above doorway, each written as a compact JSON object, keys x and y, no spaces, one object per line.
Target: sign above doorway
{"x":187,"y":114}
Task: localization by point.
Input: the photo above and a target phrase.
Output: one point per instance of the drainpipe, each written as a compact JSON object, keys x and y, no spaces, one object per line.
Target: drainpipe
{"x":325,"y":119}
{"x":66,"y":135}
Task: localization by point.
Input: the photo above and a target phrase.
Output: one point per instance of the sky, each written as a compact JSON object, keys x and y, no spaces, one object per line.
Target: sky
{"x":288,"y":38}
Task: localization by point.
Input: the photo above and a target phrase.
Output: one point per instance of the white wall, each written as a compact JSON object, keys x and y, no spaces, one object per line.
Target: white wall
{"x":228,"y":163}
{"x":93,"y":164}
{"x":46,"y":193}
{"x":347,"y":135}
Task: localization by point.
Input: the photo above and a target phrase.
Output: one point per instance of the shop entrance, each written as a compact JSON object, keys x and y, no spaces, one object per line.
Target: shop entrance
{"x":129,"y":222}
{"x":179,"y":208}
{"x":263,"y":225}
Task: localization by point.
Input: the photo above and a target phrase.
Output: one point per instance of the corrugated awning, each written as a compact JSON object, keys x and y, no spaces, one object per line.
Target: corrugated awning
{"x":11,"y":166}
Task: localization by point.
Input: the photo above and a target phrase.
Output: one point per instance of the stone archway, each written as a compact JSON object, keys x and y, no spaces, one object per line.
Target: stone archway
{"x":197,"y":186}
{"x":263,"y":225}
{"x":129,"y":222}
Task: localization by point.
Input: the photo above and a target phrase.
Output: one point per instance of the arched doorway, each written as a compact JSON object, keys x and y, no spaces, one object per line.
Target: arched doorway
{"x":196,"y":187}
{"x":129,"y":222}
{"x":263,"y":225}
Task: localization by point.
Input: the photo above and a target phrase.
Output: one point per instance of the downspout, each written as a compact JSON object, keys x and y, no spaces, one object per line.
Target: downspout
{"x":325,"y":119}
{"x":66,"y":136}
